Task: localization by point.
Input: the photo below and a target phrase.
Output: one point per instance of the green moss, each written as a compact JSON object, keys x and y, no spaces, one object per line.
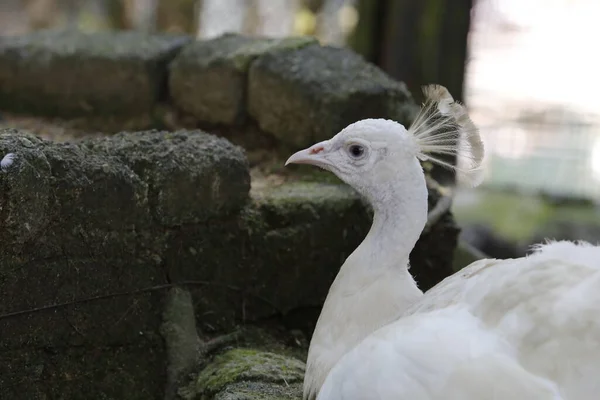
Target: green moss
{"x":279,"y":341}
{"x":240,"y":365}
{"x":300,"y":192}
{"x":312,"y":174}
{"x":243,"y":56}
{"x":189,"y":173}
{"x":261,"y":391}
{"x":298,"y":202}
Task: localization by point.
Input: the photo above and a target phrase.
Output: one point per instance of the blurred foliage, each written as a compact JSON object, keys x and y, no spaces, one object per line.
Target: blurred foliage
{"x":517,"y":216}
{"x":305,"y":22}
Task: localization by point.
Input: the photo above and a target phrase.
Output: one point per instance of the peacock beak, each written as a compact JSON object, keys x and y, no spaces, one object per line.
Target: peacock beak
{"x":314,"y":155}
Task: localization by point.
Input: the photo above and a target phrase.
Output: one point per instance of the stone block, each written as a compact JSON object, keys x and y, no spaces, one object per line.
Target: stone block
{"x":309,"y":94}
{"x":71,"y":74}
{"x":208,"y":78}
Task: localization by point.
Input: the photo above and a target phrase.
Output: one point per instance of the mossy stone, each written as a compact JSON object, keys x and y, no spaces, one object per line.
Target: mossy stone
{"x":191,"y":175}
{"x":248,"y":365}
{"x":279,"y":254}
{"x":133,"y":371}
{"x":260,"y":391}
{"x":72,"y":74}
{"x":309,"y":94}
{"x":85,"y":227}
{"x":208,"y":78}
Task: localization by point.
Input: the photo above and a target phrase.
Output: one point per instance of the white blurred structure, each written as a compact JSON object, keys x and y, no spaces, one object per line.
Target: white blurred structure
{"x":532,"y":87}
{"x":221,"y":16}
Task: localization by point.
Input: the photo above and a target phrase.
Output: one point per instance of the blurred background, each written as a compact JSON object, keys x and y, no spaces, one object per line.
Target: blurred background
{"x":525,"y":69}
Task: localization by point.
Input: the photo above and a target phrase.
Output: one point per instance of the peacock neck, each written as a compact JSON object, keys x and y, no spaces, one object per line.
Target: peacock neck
{"x":400,"y":214}
{"x":374,"y":286}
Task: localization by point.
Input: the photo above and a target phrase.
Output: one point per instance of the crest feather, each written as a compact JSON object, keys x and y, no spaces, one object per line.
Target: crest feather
{"x":443,"y":127}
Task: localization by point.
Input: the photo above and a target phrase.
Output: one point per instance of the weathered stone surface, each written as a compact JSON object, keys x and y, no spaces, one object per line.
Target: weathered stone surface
{"x":191,"y":175}
{"x":181,"y":338}
{"x":30,"y":210}
{"x":81,"y":254}
{"x":254,"y":369}
{"x":72,"y":74}
{"x":280,"y":254}
{"x":96,"y":267}
{"x":309,"y":94}
{"x":129,"y":371}
{"x":249,"y":374}
{"x":260,"y":391}
{"x":208,"y":78}
{"x":283,"y":251}
{"x":102,"y":206}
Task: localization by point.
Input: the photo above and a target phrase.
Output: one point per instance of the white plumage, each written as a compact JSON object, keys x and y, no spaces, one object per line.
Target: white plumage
{"x":526,"y":328}
{"x":7,"y":161}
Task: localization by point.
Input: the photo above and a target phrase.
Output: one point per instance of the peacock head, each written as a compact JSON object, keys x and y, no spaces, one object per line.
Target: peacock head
{"x":372,"y":152}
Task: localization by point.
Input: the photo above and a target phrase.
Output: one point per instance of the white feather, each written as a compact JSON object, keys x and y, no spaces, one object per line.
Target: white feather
{"x":514,"y":329}
{"x":443,"y":127}
{"x":7,"y":161}
{"x":525,"y":328}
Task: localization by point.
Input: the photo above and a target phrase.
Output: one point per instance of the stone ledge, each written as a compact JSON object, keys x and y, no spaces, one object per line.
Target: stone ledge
{"x":95,"y":218}
{"x":133,"y":372}
{"x":287,"y":92}
{"x":208,"y":78}
{"x":272,"y":256}
{"x":247,"y":373}
{"x":260,"y":391}
{"x":191,"y":176}
{"x":305,"y":95}
{"x":68,"y":74}
{"x":251,"y":363}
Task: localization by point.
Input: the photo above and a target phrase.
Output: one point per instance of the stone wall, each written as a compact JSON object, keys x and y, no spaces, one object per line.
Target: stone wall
{"x":294,"y":90}
{"x":125,"y":257}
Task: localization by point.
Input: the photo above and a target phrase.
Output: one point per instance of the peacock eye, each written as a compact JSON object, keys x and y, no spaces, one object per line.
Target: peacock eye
{"x":356,"y":150}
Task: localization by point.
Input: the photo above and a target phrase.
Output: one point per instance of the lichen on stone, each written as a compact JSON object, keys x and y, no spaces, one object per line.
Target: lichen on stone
{"x":260,"y":391}
{"x":73,"y":74}
{"x":208,"y":79}
{"x":244,"y":365}
{"x":309,"y":94}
